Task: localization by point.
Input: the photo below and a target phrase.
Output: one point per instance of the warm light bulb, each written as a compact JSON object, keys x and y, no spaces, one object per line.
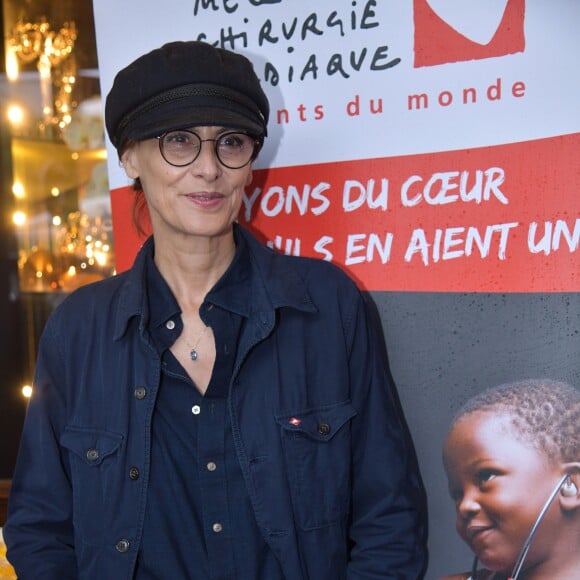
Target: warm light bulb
{"x":18,"y":190}
{"x":101,"y":258}
{"x":27,"y":391}
{"x":15,"y":114}
{"x":55,"y":191}
{"x":12,"y":64}
{"x":19,"y":218}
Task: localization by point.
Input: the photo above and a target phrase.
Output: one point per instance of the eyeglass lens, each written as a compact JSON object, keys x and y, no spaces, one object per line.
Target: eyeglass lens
{"x":180,"y":148}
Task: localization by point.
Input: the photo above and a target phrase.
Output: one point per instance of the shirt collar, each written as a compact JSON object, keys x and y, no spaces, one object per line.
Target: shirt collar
{"x":257,"y":282}
{"x":161,"y":303}
{"x":230,"y":292}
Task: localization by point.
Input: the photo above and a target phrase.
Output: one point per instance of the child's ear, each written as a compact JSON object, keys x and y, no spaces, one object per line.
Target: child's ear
{"x":569,"y":495}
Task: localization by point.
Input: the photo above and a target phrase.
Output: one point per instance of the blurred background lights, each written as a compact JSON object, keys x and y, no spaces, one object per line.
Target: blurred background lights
{"x":19,"y":218}
{"x":18,"y":190}
{"x":15,"y":114}
{"x":27,"y":391}
{"x":12,"y":68}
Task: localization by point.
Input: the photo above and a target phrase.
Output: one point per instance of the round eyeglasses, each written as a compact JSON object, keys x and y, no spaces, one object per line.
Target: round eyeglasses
{"x":233,"y":150}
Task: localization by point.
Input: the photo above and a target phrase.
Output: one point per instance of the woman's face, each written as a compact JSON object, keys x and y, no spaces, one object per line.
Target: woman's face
{"x":499,"y":485}
{"x":201,"y":199}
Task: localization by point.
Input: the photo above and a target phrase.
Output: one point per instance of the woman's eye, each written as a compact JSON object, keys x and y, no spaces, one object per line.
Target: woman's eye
{"x":178,"y":138}
{"x":231,"y":141}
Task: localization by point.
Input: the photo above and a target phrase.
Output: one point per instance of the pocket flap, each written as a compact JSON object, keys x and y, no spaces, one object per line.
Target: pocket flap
{"x":321,"y":423}
{"x":90,"y":445}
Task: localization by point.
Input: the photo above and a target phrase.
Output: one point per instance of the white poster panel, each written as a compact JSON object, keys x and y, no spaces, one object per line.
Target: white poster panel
{"x":430,"y":148}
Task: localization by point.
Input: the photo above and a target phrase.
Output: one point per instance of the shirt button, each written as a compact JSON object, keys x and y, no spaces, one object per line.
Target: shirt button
{"x":170,"y":325}
{"x":217,"y":528}
{"x":196,"y":409}
{"x":140,"y":393}
{"x":323,"y":428}
{"x":123,"y":546}
{"x":92,"y":455}
{"x":133,"y":473}
{"x":211,"y":466}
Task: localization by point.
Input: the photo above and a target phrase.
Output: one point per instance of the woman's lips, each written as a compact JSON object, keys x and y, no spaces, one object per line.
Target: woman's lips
{"x":206,"y":199}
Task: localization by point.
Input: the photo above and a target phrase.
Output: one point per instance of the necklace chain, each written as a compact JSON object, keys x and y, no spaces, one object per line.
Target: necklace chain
{"x":193,"y":354}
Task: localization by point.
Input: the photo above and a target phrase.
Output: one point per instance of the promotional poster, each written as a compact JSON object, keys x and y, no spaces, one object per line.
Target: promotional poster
{"x":429,"y":148}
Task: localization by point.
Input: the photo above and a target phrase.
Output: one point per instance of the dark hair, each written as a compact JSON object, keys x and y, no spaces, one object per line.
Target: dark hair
{"x":140,"y":210}
{"x":545,"y":413}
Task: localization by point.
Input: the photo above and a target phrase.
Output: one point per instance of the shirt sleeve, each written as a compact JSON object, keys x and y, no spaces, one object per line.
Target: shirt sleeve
{"x":388,"y":515}
{"x":39,"y":530}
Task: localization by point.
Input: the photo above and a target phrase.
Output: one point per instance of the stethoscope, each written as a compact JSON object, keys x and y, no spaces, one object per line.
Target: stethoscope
{"x":525,"y":548}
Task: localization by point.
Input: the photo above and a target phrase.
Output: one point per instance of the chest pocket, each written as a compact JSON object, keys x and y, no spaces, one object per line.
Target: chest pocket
{"x":317,"y":452}
{"x":95,"y":471}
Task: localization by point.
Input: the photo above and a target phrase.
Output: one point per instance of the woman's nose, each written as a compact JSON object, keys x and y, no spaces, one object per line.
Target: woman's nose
{"x":207,"y":163}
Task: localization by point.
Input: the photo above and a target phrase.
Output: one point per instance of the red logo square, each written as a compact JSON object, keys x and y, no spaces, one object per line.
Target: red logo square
{"x":453,"y":31}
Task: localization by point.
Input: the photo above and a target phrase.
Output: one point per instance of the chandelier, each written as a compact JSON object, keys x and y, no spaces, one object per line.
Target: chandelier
{"x":30,"y":41}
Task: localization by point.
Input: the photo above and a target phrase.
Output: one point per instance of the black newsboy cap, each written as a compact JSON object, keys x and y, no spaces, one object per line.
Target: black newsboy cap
{"x":183,"y":84}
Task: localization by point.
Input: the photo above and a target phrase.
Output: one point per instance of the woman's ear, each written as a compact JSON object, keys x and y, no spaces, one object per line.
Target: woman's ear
{"x":570,"y":491}
{"x":128,"y":162}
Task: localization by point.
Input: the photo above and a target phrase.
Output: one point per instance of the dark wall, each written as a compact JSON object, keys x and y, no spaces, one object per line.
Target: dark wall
{"x":12,"y":404}
{"x":12,"y":348}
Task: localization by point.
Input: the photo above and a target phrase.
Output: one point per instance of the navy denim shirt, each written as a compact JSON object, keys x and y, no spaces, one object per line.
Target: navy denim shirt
{"x":326,"y":460}
{"x":199,"y":522}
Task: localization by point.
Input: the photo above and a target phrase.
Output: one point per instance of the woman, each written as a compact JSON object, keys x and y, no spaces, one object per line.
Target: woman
{"x":220,"y":410}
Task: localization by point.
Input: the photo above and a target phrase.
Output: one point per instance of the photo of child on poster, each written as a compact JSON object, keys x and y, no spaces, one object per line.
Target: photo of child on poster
{"x":512,"y":459}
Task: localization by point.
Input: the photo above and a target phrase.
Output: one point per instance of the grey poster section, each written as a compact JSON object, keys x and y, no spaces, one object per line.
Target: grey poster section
{"x":443,"y":349}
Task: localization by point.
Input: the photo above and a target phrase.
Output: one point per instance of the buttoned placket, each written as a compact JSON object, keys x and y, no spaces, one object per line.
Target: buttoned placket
{"x":197,"y":543}
{"x":210,"y":416}
{"x":212,"y":477}
{"x":212,"y":444}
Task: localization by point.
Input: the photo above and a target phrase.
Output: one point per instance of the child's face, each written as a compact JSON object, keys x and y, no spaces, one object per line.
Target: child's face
{"x":499,"y":486}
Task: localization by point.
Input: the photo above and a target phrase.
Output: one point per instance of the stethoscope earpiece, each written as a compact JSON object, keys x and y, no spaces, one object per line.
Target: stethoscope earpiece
{"x":569,"y":488}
